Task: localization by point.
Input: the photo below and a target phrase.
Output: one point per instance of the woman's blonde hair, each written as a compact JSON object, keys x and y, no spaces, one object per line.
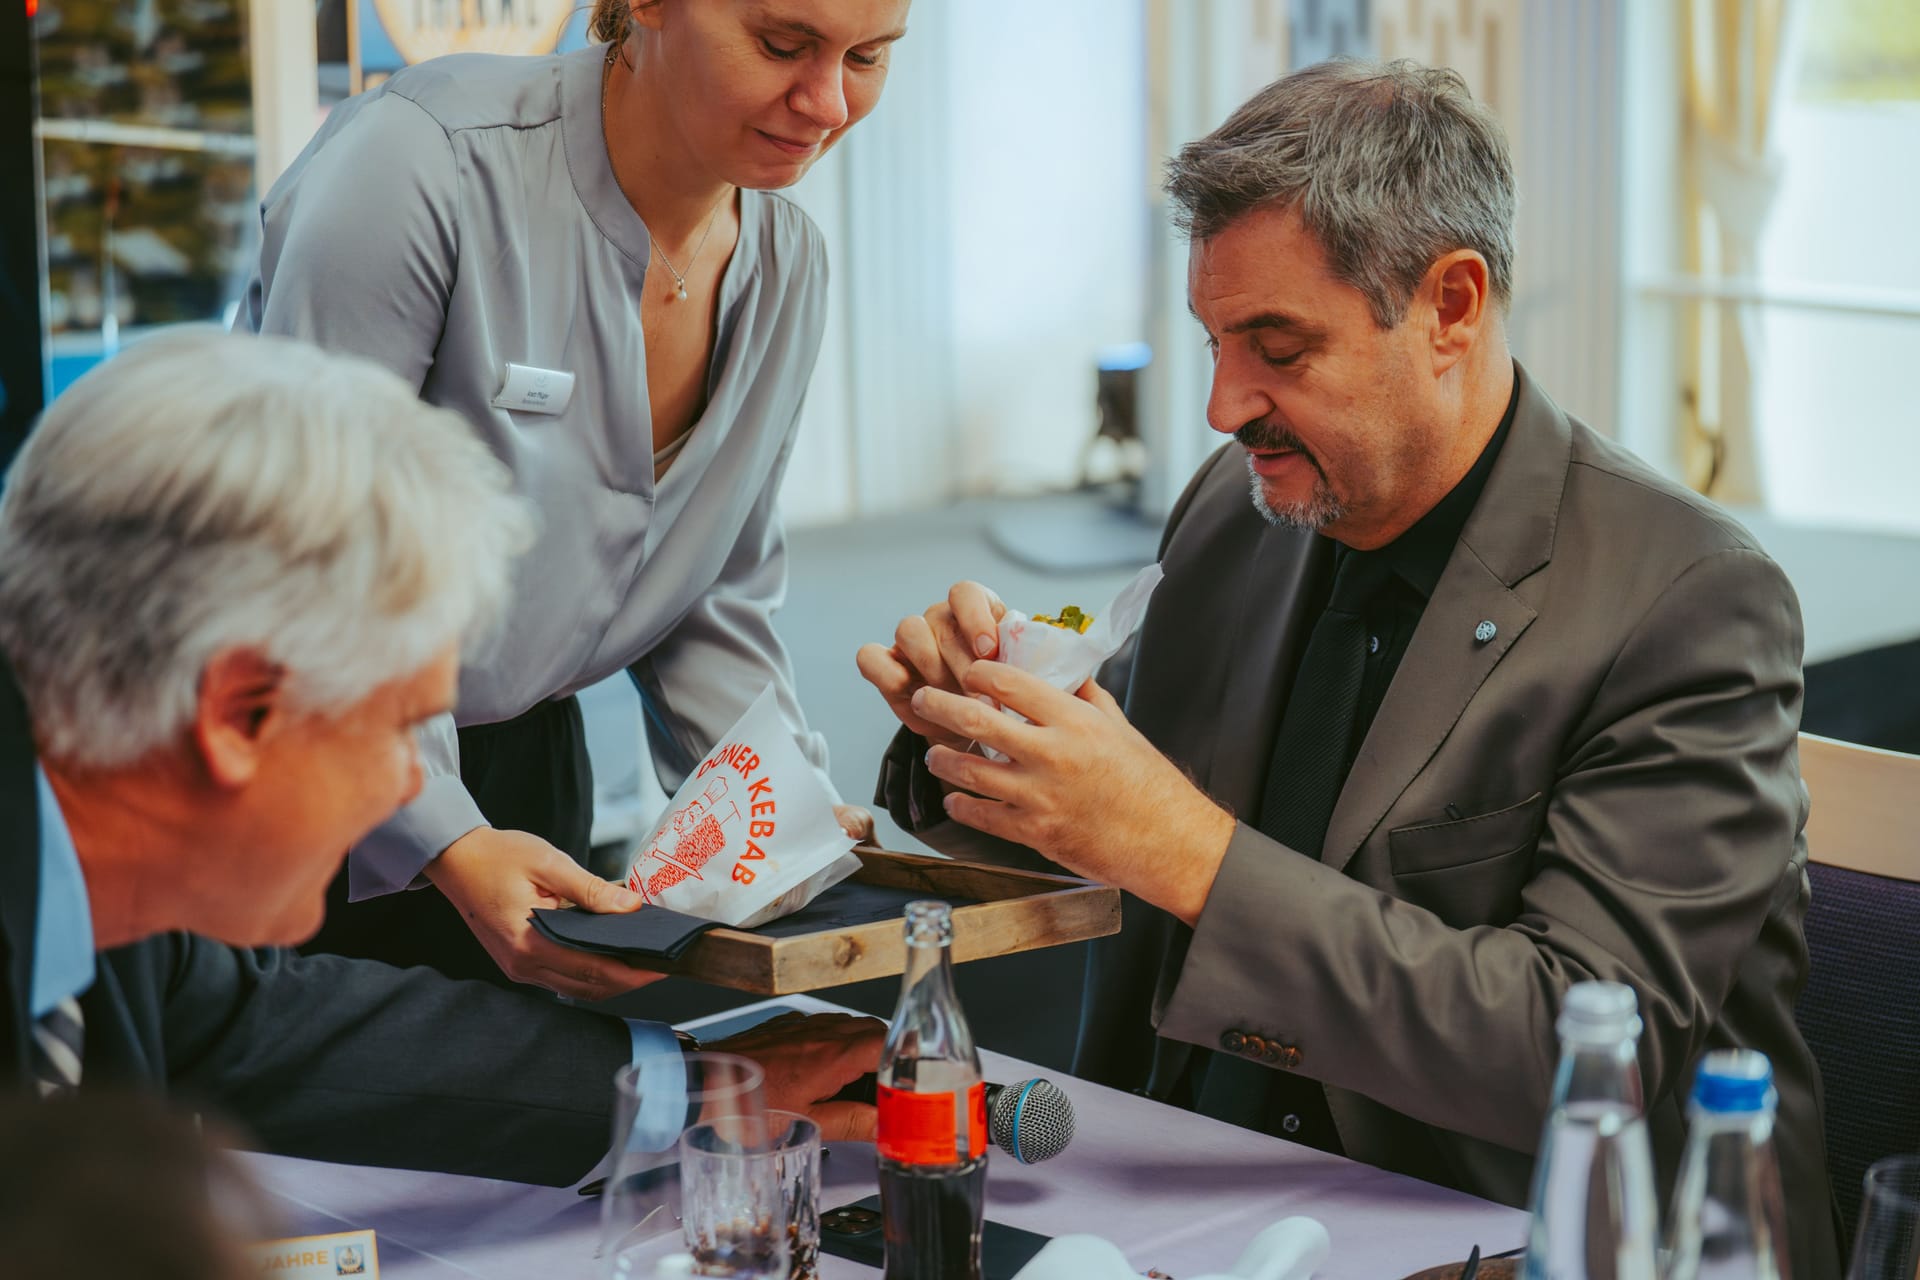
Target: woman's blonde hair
{"x":612,"y":20}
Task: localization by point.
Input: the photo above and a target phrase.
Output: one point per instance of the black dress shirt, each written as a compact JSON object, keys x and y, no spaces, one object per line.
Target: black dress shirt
{"x":1416,"y":560}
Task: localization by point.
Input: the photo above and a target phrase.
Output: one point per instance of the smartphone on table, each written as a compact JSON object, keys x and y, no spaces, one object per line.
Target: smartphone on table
{"x":853,"y":1232}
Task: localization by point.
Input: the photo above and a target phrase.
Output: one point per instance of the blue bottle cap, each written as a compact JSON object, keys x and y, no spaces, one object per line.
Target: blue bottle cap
{"x":1732,"y":1080}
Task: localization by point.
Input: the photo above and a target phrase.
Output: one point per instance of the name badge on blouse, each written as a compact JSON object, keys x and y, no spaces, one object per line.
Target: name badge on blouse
{"x":531,"y":390}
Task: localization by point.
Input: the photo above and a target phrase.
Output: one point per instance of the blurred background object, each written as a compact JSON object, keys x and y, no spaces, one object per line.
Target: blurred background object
{"x":177,"y":1207}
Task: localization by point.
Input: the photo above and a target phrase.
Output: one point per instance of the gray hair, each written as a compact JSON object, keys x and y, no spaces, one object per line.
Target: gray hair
{"x":207,"y":491}
{"x":1389,"y":165}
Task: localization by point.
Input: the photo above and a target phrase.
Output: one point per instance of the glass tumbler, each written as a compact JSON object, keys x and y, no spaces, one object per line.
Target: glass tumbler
{"x":655,"y":1100}
{"x":1887,"y":1245}
{"x":753,"y":1213}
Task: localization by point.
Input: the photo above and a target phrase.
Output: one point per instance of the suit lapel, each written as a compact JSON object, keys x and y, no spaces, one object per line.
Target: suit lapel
{"x":1507,"y":538}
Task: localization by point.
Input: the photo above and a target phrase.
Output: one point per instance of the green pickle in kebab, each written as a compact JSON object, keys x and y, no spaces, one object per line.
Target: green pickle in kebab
{"x":1070,"y":619}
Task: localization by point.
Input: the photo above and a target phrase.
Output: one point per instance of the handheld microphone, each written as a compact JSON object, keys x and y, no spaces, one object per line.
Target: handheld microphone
{"x":1030,"y":1121}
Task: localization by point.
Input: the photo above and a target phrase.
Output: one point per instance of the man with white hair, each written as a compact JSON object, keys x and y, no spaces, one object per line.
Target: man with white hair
{"x":235,"y":576}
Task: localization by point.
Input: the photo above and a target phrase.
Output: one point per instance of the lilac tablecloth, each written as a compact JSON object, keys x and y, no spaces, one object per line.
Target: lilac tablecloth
{"x":1173,"y":1190}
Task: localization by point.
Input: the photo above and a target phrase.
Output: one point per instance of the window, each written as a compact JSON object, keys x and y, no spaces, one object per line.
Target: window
{"x":1839,"y":274}
{"x":147,"y":154}
{"x":1796,"y":295}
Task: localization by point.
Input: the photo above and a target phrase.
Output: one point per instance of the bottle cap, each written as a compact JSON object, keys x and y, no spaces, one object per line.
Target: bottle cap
{"x":1732,"y":1080}
{"x":1599,"y":1013}
{"x":929,"y":922}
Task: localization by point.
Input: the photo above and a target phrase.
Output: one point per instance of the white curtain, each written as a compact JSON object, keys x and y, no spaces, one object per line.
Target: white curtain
{"x":1739,"y":54}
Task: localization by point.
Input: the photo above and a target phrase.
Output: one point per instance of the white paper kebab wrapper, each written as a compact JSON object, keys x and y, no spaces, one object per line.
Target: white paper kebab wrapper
{"x":751,"y":835}
{"x":1064,"y":659}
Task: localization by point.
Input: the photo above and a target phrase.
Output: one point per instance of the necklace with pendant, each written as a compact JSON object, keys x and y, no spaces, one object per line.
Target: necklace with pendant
{"x":679,"y":276}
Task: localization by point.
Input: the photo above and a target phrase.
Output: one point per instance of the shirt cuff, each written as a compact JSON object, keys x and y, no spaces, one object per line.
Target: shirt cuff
{"x":392,"y":858}
{"x":662,"y":1086}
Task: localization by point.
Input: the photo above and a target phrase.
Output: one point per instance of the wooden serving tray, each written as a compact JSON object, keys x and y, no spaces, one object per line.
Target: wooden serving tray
{"x":997,"y":911}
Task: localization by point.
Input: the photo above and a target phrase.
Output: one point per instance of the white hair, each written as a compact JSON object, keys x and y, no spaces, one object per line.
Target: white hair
{"x":207,"y":491}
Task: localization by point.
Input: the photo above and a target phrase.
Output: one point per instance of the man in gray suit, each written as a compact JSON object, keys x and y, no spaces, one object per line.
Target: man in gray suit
{"x":1465,"y":706}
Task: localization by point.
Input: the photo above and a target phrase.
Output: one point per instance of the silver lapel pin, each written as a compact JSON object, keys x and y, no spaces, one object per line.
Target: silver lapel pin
{"x":1485,"y":631}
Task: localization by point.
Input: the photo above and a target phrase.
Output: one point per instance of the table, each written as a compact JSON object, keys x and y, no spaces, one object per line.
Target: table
{"x":1172,"y":1189}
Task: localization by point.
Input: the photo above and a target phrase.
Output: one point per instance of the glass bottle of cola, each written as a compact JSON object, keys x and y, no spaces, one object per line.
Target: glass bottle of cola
{"x":933,"y":1116}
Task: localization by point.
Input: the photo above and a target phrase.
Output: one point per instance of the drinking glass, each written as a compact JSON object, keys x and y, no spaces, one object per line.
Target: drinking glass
{"x":793,"y":1143}
{"x":753,"y":1213}
{"x":655,"y":1099}
{"x":1887,"y":1246}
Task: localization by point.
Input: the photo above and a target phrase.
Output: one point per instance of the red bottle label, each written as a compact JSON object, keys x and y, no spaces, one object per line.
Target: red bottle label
{"x":925,"y":1128}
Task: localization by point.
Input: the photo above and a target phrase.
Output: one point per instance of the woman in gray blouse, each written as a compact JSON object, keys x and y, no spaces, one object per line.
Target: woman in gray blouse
{"x":582,"y":255}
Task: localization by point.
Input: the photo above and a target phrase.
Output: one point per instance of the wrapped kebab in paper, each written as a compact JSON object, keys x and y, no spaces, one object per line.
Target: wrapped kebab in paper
{"x":1065,"y":649}
{"x":750,"y":835}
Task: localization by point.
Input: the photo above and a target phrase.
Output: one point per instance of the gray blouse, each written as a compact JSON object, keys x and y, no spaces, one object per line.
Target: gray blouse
{"x":463,"y":217}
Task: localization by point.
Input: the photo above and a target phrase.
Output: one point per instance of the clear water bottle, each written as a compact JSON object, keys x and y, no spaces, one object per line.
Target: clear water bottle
{"x":1729,"y":1217}
{"x":933,"y":1116}
{"x":1594,"y":1212}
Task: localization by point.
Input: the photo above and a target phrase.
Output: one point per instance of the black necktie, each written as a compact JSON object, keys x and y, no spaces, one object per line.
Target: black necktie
{"x":1310,"y":759}
{"x":58,"y":1040}
{"x":1315,"y":744}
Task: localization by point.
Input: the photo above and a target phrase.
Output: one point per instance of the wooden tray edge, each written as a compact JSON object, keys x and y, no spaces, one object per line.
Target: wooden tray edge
{"x":1061,"y":908}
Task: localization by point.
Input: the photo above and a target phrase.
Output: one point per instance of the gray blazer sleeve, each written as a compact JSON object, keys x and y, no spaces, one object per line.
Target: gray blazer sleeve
{"x":357,"y":1062}
{"x":373,"y":280}
{"x":1666,"y":841}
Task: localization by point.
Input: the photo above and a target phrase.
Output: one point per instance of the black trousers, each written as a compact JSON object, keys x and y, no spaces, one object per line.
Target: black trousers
{"x":530,"y":774}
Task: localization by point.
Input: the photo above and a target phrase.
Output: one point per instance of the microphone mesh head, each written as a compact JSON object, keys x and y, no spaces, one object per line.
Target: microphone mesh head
{"x":1031,"y":1121}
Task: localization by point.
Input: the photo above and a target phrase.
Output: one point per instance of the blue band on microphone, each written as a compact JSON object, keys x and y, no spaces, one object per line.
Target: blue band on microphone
{"x":1020,"y":1105}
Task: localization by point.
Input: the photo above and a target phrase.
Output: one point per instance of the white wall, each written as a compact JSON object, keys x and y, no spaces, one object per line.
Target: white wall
{"x":876,"y":433}
{"x":819,"y":484}
{"x":284,"y":61}
{"x":1049,"y":225}
{"x":1205,"y":58}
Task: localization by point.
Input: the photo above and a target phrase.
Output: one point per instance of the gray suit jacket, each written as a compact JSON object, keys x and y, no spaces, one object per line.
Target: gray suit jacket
{"x":1623,"y":752}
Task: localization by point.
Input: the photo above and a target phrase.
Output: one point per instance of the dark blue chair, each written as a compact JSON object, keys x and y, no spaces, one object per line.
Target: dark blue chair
{"x":1860,"y":1010}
